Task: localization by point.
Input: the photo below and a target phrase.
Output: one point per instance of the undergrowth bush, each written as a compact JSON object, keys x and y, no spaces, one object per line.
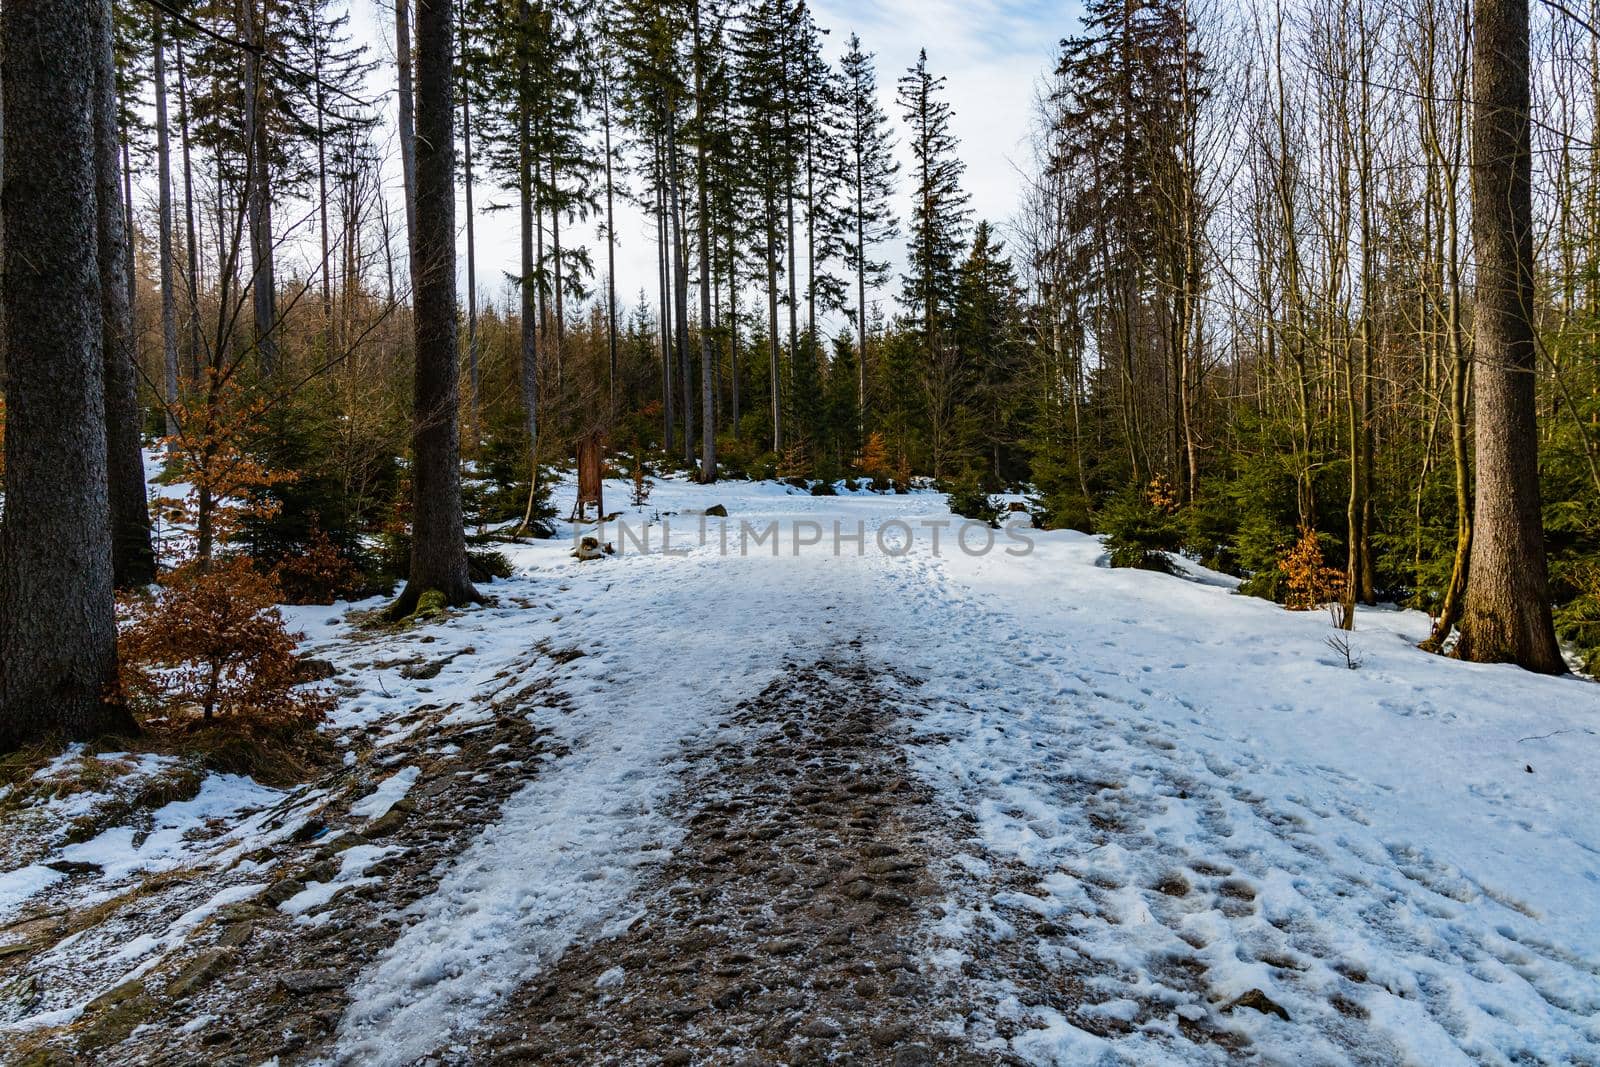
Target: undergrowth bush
{"x":1062,"y":508}
{"x":319,"y":574}
{"x":1143,"y":527}
{"x":968,"y":499}
{"x":210,"y":643}
{"x":1309,"y":583}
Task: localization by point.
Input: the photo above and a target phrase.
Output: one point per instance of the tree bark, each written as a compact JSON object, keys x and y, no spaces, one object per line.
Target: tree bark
{"x":405,"y":113}
{"x":474,"y":383}
{"x":772,"y":330}
{"x":58,"y":635}
{"x":708,"y":415}
{"x":530,"y":318}
{"x":556,"y":289}
{"x":192,"y":242}
{"x":611,"y":247}
{"x":680,"y":286}
{"x":263,"y":284}
{"x":1506,"y":617}
{"x":322,"y":189}
{"x":169,"y":298}
{"x":133,"y":559}
{"x":438,"y":542}
{"x":666,"y":313}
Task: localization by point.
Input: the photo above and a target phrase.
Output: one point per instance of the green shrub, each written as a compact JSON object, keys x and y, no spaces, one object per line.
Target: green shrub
{"x":1061,"y":508}
{"x":487,"y":564}
{"x":1141,"y":531}
{"x":967,"y":498}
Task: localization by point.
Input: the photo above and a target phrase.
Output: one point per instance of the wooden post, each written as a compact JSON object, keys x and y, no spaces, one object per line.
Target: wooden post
{"x":591,"y":466}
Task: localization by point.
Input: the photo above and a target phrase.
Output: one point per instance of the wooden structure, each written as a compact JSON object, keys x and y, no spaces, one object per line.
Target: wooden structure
{"x":591,"y":468}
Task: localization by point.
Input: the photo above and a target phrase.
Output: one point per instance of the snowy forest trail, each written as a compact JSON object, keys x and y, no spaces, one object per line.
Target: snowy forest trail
{"x":863,"y":805}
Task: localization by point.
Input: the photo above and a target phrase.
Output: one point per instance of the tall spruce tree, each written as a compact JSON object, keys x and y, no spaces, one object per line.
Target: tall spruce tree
{"x":762,"y":77}
{"x":438,"y":541}
{"x":939,"y":214}
{"x":869,"y":170}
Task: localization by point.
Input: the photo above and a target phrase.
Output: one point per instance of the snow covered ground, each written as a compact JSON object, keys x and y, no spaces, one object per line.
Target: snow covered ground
{"x":1184,"y":802}
{"x":1411,"y":840}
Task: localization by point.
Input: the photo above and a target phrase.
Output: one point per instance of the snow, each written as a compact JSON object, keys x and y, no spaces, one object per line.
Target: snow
{"x":18,"y":885}
{"x":389,"y":793}
{"x":123,"y":850}
{"x":572,"y":845}
{"x":1382,"y":819}
{"x":1404,"y":857}
{"x":353,"y":864}
{"x":1367,"y":834}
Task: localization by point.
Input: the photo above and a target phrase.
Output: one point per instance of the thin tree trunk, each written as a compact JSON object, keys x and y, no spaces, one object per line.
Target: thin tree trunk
{"x":666,"y":311}
{"x":555,"y":292}
{"x":406,"y":118}
{"x":733,"y":329}
{"x":169,"y":302}
{"x":58,"y":633}
{"x":611,"y":254}
{"x":196,"y":342}
{"x":708,"y":415}
{"x":263,"y":285}
{"x":772,"y":323}
{"x":322,"y":189}
{"x":529,"y":362}
{"x":474,"y":385}
{"x":861,"y":289}
{"x":680,"y":286}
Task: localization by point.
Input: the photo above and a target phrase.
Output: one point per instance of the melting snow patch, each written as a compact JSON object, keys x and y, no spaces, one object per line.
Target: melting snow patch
{"x":390,"y":791}
{"x":18,"y":885}
{"x":167,"y":844}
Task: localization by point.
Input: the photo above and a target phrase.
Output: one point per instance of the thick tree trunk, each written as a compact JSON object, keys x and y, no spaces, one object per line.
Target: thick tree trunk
{"x":169,"y":298}
{"x":133,"y":559}
{"x":438,"y":542}
{"x":1507,"y":613}
{"x":58,"y":634}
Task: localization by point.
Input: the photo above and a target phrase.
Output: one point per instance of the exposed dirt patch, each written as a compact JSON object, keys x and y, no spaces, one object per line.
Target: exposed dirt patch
{"x":253,"y":981}
{"x":785,"y":927}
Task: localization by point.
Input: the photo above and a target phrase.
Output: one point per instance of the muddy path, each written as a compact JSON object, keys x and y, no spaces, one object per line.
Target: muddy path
{"x":787,"y":926}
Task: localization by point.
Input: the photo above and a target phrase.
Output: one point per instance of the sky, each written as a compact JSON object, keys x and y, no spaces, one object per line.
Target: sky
{"x":993,"y":53}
